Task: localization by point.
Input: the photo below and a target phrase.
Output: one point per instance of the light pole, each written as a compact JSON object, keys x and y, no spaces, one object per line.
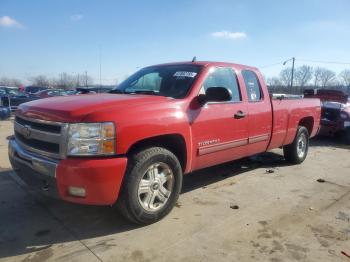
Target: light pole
{"x":291,"y":79}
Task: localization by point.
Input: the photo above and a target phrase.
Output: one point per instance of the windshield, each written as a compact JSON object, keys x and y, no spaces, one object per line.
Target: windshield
{"x":9,"y":91}
{"x":167,"y":80}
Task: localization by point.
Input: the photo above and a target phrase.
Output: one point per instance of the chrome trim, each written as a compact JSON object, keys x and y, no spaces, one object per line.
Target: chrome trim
{"x":223,"y":102}
{"x":37,"y":134}
{"x":37,"y":163}
{"x":41,"y":121}
{"x":259,"y":138}
{"x":57,"y":138}
{"x":64,"y":141}
{"x":37,"y":151}
{"x":222,"y":146}
{"x":212,"y":148}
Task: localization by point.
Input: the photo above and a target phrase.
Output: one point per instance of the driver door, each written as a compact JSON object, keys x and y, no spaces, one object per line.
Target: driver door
{"x":219,"y":129}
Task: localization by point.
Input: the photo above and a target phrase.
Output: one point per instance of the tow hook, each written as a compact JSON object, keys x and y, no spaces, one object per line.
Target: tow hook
{"x":45,"y":187}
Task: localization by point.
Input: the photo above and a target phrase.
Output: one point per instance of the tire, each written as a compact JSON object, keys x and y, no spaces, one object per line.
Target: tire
{"x":151,"y":186}
{"x":296,"y":152}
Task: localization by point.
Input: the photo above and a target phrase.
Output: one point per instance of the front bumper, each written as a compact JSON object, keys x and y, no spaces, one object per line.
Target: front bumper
{"x":330,"y":128}
{"x":100,"y":177}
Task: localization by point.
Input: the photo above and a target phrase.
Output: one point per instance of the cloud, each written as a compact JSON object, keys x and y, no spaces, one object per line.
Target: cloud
{"x":228,"y":35}
{"x":6,"y":21}
{"x":76,"y":17}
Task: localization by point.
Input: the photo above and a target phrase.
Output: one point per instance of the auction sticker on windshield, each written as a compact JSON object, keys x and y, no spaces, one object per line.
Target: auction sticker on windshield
{"x":185,"y":74}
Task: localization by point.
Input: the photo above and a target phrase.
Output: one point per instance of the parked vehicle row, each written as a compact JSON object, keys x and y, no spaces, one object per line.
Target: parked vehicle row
{"x":12,"y":97}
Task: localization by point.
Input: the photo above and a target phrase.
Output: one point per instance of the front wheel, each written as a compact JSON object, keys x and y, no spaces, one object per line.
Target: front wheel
{"x":151,"y":186}
{"x":296,"y":152}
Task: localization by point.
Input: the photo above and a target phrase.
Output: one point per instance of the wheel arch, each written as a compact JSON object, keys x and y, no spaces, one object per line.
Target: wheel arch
{"x":307,"y":122}
{"x":173,"y":142}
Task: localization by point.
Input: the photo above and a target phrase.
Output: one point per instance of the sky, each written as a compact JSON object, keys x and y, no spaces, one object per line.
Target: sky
{"x":50,"y":37}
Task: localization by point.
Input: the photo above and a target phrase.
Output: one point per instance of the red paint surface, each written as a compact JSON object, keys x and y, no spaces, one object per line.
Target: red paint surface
{"x":267,"y":125}
{"x":101,"y":179}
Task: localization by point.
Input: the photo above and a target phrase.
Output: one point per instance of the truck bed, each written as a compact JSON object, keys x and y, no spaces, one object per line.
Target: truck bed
{"x":287,"y":114}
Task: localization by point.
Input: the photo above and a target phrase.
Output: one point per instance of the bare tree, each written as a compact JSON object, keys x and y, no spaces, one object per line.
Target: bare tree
{"x":65,"y":81}
{"x":323,"y":76}
{"x":303,"y":75}
{"x":317,"y":76}
{"x":5,"y":81}
{"x":273,"y":81}
{"x":84,"y":80}
{"x":344,"y":76}
{"x":40,"y":80}
{"x":286,"y":76}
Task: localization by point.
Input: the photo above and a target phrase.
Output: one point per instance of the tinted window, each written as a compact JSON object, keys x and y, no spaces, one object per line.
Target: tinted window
{"x":167,"y":80}
{"x":252,"y":86}
{"x":223,"y":77}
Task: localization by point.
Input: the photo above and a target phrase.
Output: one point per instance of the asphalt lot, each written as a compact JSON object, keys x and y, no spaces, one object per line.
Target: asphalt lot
{"x":283,"y":214}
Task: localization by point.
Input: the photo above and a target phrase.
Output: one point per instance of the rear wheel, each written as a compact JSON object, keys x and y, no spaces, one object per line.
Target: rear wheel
{"x":296,"y":152}
{"x":151,"y":186}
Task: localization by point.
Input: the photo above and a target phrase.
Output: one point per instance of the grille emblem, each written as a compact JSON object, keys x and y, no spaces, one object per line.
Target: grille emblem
{"x":26,"y":131}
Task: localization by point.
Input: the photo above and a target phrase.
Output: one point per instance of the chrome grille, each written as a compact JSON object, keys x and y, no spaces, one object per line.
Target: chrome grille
{"x":43,"y":137}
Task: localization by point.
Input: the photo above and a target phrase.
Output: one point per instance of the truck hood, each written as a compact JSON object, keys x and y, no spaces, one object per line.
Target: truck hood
{"x":75,"y":108}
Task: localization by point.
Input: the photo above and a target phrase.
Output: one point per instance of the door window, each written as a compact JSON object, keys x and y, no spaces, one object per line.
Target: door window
{"x":223,"y":77}
{"x":252,"y":86}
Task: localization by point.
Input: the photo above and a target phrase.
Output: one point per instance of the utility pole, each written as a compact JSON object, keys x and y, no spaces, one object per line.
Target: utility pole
{"x":292,"y":76}
{"x":86,"y":79}
{"x":291,"y":80}
{"x":100,"y":66}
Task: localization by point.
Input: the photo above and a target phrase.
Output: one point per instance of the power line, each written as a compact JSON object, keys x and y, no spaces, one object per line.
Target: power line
{"x":279,"y":63}
{"x":310,"y":61}
{"x":324,"y":62}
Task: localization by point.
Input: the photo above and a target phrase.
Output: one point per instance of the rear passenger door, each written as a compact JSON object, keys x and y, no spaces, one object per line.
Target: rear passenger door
{"x":219,"y":135}
{"x":260,"y":114}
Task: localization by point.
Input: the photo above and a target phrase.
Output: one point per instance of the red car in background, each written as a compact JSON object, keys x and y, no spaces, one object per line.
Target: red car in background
{"x":335,"y":112}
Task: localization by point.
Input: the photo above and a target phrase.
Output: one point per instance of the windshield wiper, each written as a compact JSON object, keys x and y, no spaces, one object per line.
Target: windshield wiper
{"x":145,"y":92}
{"x":117,"y":91}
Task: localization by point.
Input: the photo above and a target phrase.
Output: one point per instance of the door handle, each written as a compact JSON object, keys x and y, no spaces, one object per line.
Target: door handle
{"x":240,"y":114}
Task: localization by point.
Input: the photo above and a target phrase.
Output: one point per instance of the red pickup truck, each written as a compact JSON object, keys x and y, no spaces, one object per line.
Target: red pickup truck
{"x":132,"y":146}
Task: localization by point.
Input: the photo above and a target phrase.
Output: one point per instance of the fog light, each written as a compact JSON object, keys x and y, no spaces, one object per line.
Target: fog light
{"x":77,"y":191}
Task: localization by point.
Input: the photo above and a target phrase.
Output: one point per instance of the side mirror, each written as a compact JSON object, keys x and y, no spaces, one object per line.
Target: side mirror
{"x":216,"y":94}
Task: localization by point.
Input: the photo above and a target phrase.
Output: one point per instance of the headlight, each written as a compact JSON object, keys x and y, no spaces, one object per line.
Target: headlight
{"x":86,"y":139}
{"x":344,"y":115}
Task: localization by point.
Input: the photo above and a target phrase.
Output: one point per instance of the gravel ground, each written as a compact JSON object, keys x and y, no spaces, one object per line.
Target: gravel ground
{"x":256,"y":209}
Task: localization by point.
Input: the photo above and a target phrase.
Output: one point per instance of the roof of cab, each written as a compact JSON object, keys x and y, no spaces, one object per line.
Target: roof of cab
{"x":211,"y":63}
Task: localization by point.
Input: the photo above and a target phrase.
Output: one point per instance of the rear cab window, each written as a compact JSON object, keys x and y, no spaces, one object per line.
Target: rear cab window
{"x":223,"y":77}
{"x":252,"y":86}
